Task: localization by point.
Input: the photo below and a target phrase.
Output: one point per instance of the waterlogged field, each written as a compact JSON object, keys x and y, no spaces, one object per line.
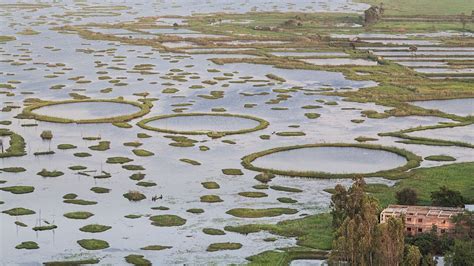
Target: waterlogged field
{"x":141,"y":131}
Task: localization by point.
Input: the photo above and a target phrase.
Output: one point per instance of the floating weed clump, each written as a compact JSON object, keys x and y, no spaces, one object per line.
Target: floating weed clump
{"x":93,"y":244}
{"x":195,"y":210}
{"x":167,"y":220}
{"x":18,"y":189}
{"x":80,"y":202}
{"x":223,"y":246}
{"x":260,"y":213}
{"x":210,"y":185}
{"x":78,"y":215}
{"x":146,"y":184}
{"x":27,"y":245}
{"x":189,"y":161}
{"x":95,"y":228}
{"x":100,"y":190}
{"x":286,"y":189}
{"x":118,"y":160}
{"x":253,"y":194}
{"x":44,"y":227}
{"x":142,"y":152}
{"x":46,"y":135}
{"x":134,"y":195}
{"x":19,"y":211}
{"x":102,"y":146}
{"x":137,"y":260}
{"x":232,"y":171}
{"x":211,"y":198}
{"x":213,"y":231}
{"x":155,"y":247}
{"x":66,"y":146}
{"x":286,"y":200}
{"x":440,"y":158}
{"x":71,"y":262}
{"x":133,"y":167}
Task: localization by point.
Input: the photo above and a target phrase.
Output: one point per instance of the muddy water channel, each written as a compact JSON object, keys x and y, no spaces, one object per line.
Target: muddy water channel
{"x":88,"y":167}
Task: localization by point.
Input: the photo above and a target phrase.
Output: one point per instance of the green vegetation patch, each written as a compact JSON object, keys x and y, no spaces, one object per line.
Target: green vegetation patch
{"x":46,"y":173}
{"x":259,"y":213}
{"x":232,"y":171}
{"x":440,"y":158}
{"x":262,"y":124}
{"x":412,"y":161}
{"x":28,"y":112}
{"x":155,"y":247}
{"x":137,"y":260}
{"x":167,"y":220}
{"x":18,"y":211}
{"x":213,"y":231}
{"x":17,"y":144}
{"x":134,"y":196}
{"x":210,"y":185}
{"x":223,"y":246}
{"x":93,"y":244}
{"x":100,"y":190}
{"x":211,"y":198}
{"x":18,"y":189}
{"x":142,"y":152}
{"x":27,"y":245}
{"x":95,"y":228}
{"x":78,"y":215}
{"x":253,"y":194}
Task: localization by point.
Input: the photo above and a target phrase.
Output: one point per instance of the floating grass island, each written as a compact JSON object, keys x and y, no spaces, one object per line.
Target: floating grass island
{"x":167,"y":220}
{"x":412,"y":161}
{"x":262,"y":124}
{"x":29,"y":111}
{"x":17,"y":144}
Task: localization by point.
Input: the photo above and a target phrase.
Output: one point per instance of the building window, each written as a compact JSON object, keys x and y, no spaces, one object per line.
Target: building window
{"x":443,"y":231}
{"x":409,"y":219}
{"x":420,"y":230}
{"x":443,"y":222}
{"x":420,"y":220}
{"x":409,"y":229}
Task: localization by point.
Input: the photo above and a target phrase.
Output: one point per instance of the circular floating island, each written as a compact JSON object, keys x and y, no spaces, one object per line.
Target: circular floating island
{"x":336,"y":160}
{"x":86,"y":111}
{"x":211,"y":124}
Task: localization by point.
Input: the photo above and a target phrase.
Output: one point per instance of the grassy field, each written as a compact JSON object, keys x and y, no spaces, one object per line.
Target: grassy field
{"x":459,"y":176}
{"x":423,"y":7}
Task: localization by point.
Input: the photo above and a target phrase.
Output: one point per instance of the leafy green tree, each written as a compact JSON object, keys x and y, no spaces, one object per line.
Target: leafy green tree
{"x":360,"y":239}
{"x":462,"y":253}
{"x":407,"y":196}
{"x":338,"y":205}
{"x":412,"y":256}
{"x":447,"y":198}
{"x":390,"y":242}
{"x":464,"y":225}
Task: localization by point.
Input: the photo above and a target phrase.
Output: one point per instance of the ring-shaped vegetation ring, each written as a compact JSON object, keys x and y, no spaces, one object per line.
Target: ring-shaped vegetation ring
{"x":262,"y":124}
{"x":28,"y":112}
{"x":412,"y":159}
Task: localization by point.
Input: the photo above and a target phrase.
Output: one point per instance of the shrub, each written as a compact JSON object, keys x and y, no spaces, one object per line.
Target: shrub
{"x":407,"y":196}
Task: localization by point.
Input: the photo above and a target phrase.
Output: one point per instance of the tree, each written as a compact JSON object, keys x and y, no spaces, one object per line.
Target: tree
{"x":464,"y":225}
{"x":447,"y":198}
{"x":412,"y":256}
{"x":462,"y":253}
{"x":338,"y":205}
{"x":407,"y":196}
{"x":390,"y":242}
{"x":360,"y":239}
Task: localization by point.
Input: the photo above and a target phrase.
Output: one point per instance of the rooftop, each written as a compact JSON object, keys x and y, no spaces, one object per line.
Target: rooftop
{"x":433,"y":211}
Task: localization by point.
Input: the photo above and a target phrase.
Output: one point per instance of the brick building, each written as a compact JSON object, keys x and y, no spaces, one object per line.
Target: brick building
{"x":420,"y":219}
